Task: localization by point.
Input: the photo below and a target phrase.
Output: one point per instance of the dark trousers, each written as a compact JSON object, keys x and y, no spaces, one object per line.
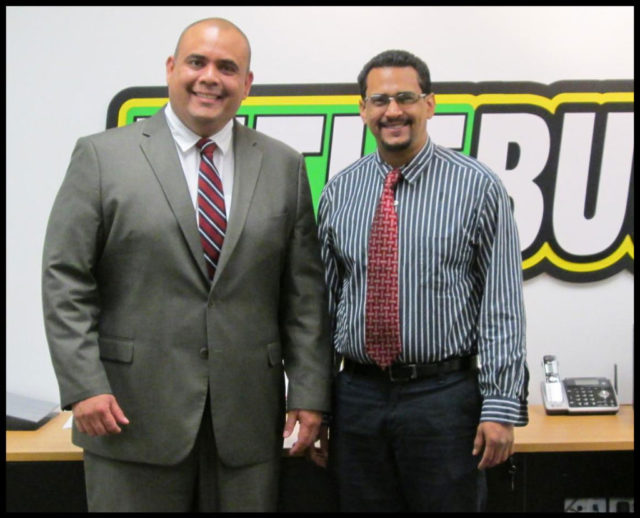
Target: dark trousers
{"x":407,"y":446}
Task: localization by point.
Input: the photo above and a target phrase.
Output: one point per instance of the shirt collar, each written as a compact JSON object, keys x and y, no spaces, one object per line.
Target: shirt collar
{"x":412,"y":170}
{"x":186,"y":139}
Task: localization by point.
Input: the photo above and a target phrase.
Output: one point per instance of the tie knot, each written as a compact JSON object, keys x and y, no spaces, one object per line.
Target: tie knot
{"x":206,"y":147}
{"x":392,"y":179}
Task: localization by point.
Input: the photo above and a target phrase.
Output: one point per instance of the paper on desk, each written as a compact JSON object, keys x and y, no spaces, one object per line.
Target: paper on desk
{"x":290,"y":441}
{"x":68,"y":423}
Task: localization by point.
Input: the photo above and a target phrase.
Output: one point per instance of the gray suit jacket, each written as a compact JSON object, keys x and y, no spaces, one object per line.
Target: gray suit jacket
{"x":128,"y":307}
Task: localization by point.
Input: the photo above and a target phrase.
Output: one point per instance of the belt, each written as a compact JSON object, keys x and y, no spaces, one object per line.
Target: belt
{"x":411,"y":371}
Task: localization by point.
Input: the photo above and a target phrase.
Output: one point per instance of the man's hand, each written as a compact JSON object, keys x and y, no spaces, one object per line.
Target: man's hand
{"x":99,"y":415}
{"x":320,"y":455}
{"x":310,"y":421}
{"x":497,"y":440}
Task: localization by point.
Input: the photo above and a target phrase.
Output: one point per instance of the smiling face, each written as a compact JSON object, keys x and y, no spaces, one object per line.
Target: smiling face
{"x":209,"y":76}
{"x":399,"y":130}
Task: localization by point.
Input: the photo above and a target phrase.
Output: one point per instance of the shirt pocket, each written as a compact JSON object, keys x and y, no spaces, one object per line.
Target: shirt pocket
{"x":432,"y":257}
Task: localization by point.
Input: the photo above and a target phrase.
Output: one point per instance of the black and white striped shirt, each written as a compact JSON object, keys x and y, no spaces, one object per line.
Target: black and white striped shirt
{"x":460,"y":268}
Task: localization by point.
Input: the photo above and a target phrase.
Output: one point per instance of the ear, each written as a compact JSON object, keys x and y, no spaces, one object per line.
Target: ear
{"x":362,"y":107}
{"x":169,"y":66}
{"x":248,"y":81}
{"x":431,"y":104}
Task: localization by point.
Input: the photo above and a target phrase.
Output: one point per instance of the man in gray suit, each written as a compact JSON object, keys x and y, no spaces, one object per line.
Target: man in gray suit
{"x":176,"y":381}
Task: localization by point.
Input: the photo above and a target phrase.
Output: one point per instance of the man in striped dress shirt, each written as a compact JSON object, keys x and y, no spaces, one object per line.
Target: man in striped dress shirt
{"x":418,"y":434}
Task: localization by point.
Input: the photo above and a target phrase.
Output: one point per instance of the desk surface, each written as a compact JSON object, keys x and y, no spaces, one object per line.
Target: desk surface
{"x":544,"y":433}
{"x":49,"y":442}
{"x":548,"y":433}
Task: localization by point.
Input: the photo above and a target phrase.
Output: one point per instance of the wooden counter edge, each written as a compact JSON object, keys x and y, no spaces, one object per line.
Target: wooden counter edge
{"x":565,"y":447}
{"x":52,"y":456}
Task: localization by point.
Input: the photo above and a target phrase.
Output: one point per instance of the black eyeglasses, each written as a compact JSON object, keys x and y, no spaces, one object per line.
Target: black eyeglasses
{"x":402,"y":98}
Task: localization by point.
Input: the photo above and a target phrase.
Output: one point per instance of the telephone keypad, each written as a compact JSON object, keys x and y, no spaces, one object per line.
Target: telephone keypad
{"x":588,"y":396}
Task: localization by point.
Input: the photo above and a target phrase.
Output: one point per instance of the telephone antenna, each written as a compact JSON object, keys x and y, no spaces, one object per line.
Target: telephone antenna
{"x":615,"y":377}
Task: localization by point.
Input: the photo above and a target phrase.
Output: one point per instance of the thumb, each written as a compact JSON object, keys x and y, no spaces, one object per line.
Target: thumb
{"x":118,"y":413}
{"x":290,"y":424}
{"x":478,"y":442}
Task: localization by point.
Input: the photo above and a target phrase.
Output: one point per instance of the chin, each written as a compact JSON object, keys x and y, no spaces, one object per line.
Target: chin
{"x":396,"y":146}
{"x":205,"y":111}
{"x":206,"y":116}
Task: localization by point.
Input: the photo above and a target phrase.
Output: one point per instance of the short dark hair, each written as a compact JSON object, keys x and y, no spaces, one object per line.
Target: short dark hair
{"x":396,"y":58}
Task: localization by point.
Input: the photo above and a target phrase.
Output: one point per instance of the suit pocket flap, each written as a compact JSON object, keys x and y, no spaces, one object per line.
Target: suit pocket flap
{"x":274,"y":351}
{"x":116,"y":349}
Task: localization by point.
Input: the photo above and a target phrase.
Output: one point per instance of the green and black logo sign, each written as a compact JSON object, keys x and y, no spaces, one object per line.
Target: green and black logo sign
{"x":564,"y":151}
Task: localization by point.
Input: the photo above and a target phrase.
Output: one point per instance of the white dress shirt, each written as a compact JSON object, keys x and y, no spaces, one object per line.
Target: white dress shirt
{"x":223,"y":159}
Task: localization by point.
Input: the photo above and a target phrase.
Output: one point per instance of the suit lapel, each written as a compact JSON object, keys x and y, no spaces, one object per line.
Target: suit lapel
{"x":159,"y":148}
{"x":248,"y":160}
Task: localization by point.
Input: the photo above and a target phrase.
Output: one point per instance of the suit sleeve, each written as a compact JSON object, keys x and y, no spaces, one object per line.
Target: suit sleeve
{"x":69,"y":289}
{"x":307,"y":351}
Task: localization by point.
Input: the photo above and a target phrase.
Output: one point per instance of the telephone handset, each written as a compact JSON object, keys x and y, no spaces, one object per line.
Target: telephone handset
{"x":576,"y":395}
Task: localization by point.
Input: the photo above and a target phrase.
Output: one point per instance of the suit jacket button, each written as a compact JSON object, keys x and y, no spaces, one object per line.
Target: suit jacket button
{"x":204,"y":353}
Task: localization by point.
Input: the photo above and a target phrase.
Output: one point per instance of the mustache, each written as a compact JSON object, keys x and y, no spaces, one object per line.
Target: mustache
{"x":200,"y":89}
{"x":392,"y":122}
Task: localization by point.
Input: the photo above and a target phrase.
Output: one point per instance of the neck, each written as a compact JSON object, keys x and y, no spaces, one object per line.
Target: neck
{"x":398,"y":158}
{"x":395,"y":159}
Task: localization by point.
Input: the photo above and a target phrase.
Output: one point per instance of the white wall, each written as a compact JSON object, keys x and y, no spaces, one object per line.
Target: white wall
{"x":64,"y":65}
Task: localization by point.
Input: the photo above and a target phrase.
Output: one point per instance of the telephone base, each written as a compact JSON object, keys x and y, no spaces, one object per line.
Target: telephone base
{"x":556,"y":411}
{"x":592,"y":411}
{"x":556,"y":402}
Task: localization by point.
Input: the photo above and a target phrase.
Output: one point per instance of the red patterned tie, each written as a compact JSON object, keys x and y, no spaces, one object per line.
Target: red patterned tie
{"x":212,"y":219}
{"x":382,"y":315}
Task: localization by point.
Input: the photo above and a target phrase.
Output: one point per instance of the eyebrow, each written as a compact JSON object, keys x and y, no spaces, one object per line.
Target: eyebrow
{"x":195,"y":56}
{"x":226,"y":62}
{"x":397,"y":93}
{"x":229,"y":63}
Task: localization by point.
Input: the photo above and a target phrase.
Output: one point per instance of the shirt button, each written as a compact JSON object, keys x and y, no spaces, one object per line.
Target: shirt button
{"x":204,"y":353}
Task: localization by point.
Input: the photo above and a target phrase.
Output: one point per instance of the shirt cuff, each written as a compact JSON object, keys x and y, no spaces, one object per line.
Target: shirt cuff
{"x":505,"y":410}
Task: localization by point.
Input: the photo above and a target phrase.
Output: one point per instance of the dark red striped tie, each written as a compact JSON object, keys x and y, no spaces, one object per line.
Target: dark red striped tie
{"x":382,"y":314}
{"x":212,"y":219}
